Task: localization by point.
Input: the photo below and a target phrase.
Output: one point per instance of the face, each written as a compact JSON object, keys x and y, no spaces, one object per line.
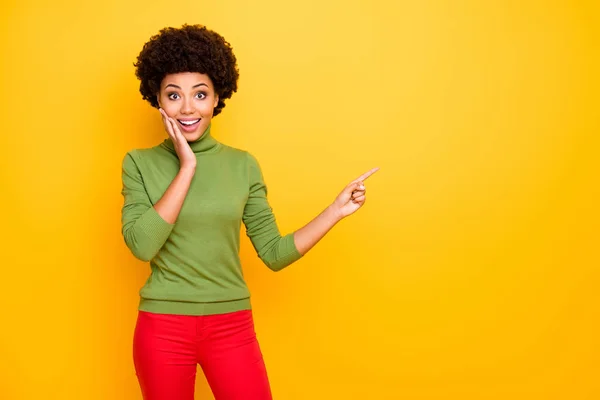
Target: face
{"x":189,"y":98}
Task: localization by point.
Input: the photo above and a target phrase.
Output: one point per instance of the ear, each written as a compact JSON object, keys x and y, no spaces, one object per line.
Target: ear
{"x":158,"y":100}
{"x":216,"y":100}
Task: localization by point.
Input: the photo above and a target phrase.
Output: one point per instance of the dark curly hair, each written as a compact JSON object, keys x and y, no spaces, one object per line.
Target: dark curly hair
{"x":191,"y":48}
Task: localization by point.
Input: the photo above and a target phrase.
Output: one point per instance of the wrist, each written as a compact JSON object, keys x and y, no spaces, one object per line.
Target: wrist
{"x":334,"y":213}
{"x":187,"y":169}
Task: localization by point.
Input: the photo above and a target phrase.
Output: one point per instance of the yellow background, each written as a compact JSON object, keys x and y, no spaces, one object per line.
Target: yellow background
{"x":472,"y":270}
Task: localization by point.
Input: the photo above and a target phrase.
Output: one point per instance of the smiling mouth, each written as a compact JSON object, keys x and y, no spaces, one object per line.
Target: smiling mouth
{"x":189,"y":123}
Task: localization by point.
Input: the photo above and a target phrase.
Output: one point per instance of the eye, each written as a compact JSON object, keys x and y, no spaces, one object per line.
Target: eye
{"x":201,"y":95}
{"x":173,"y":96}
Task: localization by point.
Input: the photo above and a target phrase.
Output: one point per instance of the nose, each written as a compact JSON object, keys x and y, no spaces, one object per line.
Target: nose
{"x":187,"y":106}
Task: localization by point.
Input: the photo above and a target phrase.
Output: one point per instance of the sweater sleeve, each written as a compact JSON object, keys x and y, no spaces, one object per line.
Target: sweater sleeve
{"x":143,"y":229}
{"x":275,"y":250}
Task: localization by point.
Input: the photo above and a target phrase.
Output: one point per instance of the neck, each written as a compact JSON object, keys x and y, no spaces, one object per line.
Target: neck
{"x":204,"y":144}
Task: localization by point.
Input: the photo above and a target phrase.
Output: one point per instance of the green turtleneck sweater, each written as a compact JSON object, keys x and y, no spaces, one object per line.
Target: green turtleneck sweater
{"x":195,"y":264}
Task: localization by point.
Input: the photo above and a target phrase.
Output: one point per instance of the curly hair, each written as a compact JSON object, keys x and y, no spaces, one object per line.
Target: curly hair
{"x":191,"y":48}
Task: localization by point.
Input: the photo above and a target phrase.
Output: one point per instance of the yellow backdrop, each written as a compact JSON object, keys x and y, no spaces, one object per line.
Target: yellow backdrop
{"x":471,"y":272}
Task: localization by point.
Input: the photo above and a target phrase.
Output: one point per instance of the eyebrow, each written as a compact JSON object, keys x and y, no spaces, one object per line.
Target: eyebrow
{"x":193,"y":87}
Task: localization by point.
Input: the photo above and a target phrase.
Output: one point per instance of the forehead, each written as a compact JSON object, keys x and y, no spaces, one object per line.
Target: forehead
{"x":186,"y":80}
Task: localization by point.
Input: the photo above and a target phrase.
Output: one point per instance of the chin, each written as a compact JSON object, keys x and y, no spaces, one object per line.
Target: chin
{"x":192,"y":137}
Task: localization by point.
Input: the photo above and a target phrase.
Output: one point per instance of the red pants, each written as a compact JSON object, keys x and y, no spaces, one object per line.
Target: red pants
{"x":167,"y":348}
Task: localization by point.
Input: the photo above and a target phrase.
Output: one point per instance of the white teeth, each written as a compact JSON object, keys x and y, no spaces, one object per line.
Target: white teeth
{"x":189,"y":122}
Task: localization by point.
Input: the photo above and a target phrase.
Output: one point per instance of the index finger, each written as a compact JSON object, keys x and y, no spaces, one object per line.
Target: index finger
{"x":366,"y":175}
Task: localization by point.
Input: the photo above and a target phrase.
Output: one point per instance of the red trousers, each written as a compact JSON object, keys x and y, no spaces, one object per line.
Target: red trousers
{"x":167,"y":348}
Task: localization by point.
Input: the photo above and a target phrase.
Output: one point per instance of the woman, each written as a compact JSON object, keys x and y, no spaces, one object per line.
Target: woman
{"x":184,"y":202}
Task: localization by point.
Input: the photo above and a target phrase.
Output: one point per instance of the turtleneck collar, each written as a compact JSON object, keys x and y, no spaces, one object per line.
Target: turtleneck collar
{"x":205,"y":144}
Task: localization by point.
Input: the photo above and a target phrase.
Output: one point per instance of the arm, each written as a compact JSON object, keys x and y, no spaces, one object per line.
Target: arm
{"x":145,"y":227}
{"x":309,"y":235}
{"x":278,"y":251}
{"x":169,"y":206}
{"x":347,"y":202}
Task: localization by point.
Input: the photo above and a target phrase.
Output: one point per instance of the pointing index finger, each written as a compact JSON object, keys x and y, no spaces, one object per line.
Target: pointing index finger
{"x":366,"y":175}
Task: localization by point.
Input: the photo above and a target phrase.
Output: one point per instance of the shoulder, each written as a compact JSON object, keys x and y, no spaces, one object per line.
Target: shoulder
{"x":242,"y":155}
{"x":138,"y":155}
{"x":130,"y":158}
{"x":247,"y":161}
